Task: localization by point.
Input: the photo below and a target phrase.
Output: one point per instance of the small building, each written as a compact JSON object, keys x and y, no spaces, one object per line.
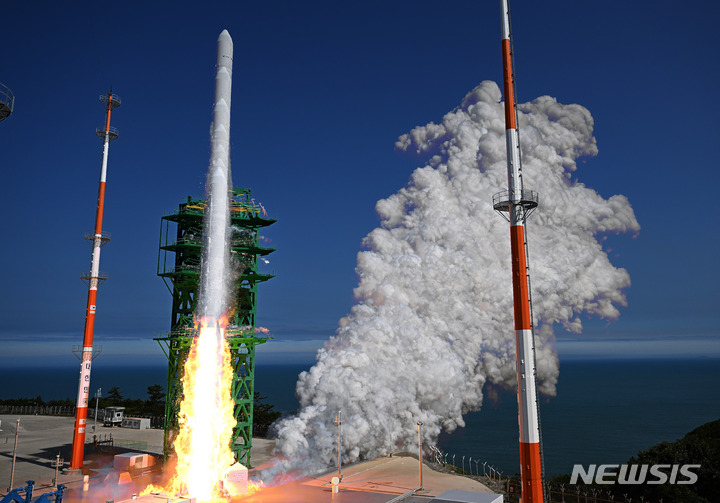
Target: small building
{"x":132,"y":461}
{"x":113,"y":416}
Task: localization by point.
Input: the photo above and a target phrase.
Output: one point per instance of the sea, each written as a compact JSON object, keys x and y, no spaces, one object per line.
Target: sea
{"x":605,"y":411}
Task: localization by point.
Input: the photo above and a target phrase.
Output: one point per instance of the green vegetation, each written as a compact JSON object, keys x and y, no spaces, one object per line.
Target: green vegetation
{"x":37,"y":401}
{"x":699,"y":447}
{"x":263,"y":416}
{"x":153,"y":406}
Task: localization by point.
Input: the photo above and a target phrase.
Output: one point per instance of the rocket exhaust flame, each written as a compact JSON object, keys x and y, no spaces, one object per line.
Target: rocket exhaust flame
{"x":206,"y":416}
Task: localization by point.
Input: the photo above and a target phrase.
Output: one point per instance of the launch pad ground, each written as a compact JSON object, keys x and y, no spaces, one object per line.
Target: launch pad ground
{"x":42,"y":437}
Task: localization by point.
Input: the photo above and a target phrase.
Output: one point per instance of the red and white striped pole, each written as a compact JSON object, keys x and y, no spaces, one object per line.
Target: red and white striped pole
{"x":518,"y":203}
{"x":94,"y":278}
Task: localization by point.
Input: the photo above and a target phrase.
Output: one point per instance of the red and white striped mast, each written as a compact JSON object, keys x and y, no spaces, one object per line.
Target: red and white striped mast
{"x":94,"y":278}
{"x":519,"y":203}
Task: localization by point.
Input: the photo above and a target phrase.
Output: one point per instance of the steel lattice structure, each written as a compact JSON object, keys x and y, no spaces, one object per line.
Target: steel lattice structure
{"x":181,"y":238}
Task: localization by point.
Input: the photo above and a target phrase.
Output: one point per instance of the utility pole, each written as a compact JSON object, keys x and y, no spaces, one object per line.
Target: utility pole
{"x":339,"y":422}
{"x":58,"y":463}
{"x":12,"y":472}
{"x":98,"y":394}
{"x":420,"y":453}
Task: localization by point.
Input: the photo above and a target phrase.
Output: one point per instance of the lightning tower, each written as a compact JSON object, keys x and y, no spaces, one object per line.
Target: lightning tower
{"x":94,"y":277}
{"x":518,"y":204}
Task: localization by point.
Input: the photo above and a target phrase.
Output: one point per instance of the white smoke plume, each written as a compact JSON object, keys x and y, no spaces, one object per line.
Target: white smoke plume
{"x":433,"y":323}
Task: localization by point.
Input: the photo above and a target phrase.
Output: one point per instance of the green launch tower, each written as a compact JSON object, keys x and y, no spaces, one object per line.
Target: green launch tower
{"x":181,"y":239}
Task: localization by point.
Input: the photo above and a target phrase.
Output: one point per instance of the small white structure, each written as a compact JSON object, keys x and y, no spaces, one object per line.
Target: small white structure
{"x":138,"y":423}
{"x":236,"y":480}
{"x":113,"y":416}
{"x":457,"y":496}
{"x":131,"y":460}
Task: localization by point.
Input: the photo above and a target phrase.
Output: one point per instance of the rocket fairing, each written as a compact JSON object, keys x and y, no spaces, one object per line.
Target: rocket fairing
{"x":518,"y":204}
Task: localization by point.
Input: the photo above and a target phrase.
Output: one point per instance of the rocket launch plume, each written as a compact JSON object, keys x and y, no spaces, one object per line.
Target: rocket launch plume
{"x":206,"y":418}
{"x":433,"y":319}
{"x":206,"y":412}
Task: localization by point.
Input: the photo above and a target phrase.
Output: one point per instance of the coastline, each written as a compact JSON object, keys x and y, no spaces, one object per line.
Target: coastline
{"x":605,"y":411}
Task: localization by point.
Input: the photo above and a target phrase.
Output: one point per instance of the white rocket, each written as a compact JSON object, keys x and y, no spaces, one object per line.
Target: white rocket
{"x":216,"y":267}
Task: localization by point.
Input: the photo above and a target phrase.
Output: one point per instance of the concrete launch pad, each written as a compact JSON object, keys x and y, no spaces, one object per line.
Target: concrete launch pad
{"x":395,"y":475}
{"x":377,"y":481}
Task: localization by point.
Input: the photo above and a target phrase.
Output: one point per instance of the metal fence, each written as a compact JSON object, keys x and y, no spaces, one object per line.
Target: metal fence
{"x":47,"y":410}
{"x":472,"y":467}
{"x":510,"y":487}
{"x":132,"y":445}
{"x":38,"y":410}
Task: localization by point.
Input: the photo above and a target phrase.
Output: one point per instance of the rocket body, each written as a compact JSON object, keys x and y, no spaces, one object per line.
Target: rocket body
{"x":216,"y":266}
{"x":528,"y":421}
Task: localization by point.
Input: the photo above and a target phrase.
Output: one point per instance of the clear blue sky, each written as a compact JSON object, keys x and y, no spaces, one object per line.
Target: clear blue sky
{"x":321,"y":92}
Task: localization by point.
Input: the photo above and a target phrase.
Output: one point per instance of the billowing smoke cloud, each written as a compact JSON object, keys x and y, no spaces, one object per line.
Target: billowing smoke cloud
{"x":433,"y":321}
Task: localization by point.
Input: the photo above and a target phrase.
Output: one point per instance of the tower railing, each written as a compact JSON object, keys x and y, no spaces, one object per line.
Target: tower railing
{"x":112,"y":132}
{"x":502,"y":200}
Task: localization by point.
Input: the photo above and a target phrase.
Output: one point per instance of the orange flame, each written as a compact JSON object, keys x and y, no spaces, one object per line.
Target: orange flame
{"x":206,"y":418}
{"x":254,"y":487}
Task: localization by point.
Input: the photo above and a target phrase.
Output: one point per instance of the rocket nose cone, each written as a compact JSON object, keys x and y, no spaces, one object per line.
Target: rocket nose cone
{"x":225,"y":50}
{"x":224,"y":35}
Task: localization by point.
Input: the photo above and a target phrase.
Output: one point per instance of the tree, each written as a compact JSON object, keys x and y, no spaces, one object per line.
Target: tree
{"x":155,"y":404}
{"x":263,"y":416}
{"x":156,"y":394}
{"x":699,"y":447}
{"x":115,"y":396}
